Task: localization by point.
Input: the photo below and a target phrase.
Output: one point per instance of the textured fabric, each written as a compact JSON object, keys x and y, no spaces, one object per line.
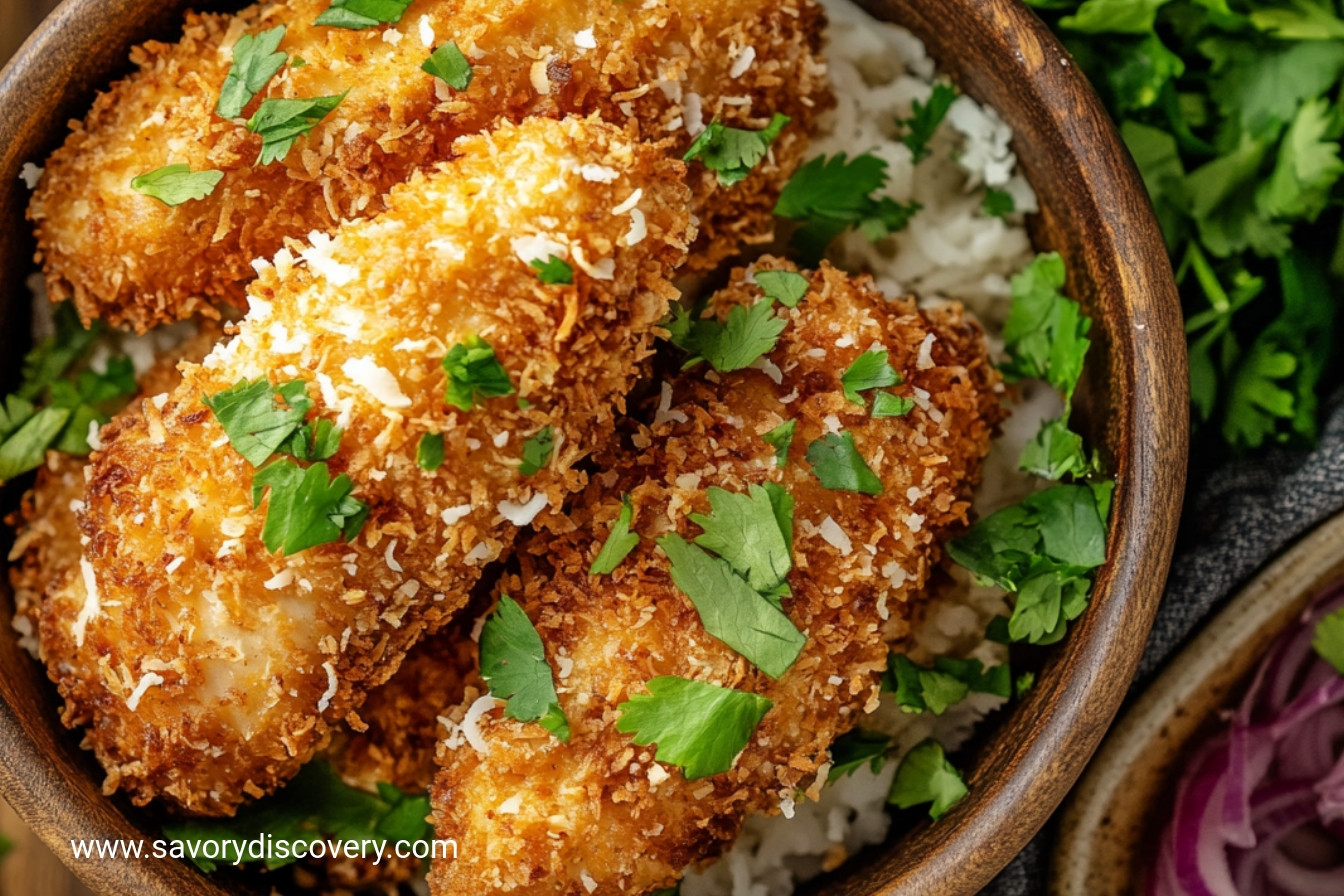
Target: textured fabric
{"x":1237,"y":517}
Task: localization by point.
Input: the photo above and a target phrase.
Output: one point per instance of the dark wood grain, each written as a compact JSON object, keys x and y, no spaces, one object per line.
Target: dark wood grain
{"x":1134,"y":400}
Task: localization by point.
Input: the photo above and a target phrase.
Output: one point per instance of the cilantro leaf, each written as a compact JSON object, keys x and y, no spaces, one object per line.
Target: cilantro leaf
{"x":998,"y":203}
{"x":1046,"y":333}
{"x":923,"y":690}
{"x":253,"y":420}
{"x":1055,"y":452}
{"x":1328,"y":640}
{"x":255,"y":63}
{"x":281,"y":122}
{"x":887,"y":405}
{"x":359,"y":14}
{"x":1308,"y":165}
{"x":855,"y":749}
{"x":698,"y":726}
{"x":925,"y":776}
{"x":429,"y":453}
{"x":620,"y":542}
{"x":785,"y":287}
{"x":537,"y":452}
{"x":53,"y":356}
{"x":780,"y":438}
{"x":474,"y":373}
{"x":837,"y":464}
{"x":731,"y":610}
{"x":870,"y":370}
{"x":25,"y":449}
{"x":313,"y":441}
{"x":451,"y":67}
{"x":306,"y":507}
{"x":925,"y":119}
{"x":554,"y":271}
{"x":733,"y":152}
{"x":831,"y":195}
{"x":175,"y":184}
{"x":513,"y":663}
{"x":739,"y":342}
{"x":744,"y":530}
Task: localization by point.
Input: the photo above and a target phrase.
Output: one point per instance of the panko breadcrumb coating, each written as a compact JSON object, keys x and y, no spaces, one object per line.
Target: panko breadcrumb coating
{"x":598,"y":815}
{"x":206,"y":668}
{"x":661,"y":69}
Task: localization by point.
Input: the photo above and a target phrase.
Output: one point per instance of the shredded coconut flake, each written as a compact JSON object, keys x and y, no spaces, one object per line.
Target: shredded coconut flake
{"x":377,"y":380}
{"x":147,"y":681}
{"x":835,"y":536}
{"x":742,"y":62}
{"x":325,"y":700}
{"x":92,"y":605}
{"x":470,"y":726}
{"x":925,"y":359}
{"x":281,"y":579}
{"x":426,"y":32}
{"x":523,"y":514}
{"x":538,"y":247}
{"x":584,"y":40}
{"x":95,"y":443}
{"x":319,"y":259}
{"x":638,"y":228}
{"x":454,"y":515}
{"x":598,"y":174}
{"x":390,"y":560}
{"x":30,"y":174}
{"x":598,"y":270}
{"x":175,"y":565}
{"x":631,"y":201}
{"x":588,"y":883}
{"x":511,"y":805}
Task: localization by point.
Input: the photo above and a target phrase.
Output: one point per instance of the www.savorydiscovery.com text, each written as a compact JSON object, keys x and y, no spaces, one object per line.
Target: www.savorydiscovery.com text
{"x":264,"y":849}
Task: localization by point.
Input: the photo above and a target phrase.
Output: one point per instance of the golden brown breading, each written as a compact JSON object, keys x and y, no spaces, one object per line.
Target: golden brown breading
{"x":208,"y":669}
{"x":659,"y":68}
{"x":598,"y":815}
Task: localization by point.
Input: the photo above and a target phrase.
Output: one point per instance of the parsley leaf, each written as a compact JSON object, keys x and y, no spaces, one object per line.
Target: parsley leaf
{"x":733,"y":152}
{"x":256,"y":424}
{"x":998,"y":203}
{"x":855,"y":749}
{"x":175,"y":184}
{"x":449,"y":65}
{"x":925,"y":776}
{"x":780,"y":438}
{"x":870,"y":370}
{"x":746,"y":531}
{"x":837,"y":464}
{"x":927,"y":116}
{"x":785,"y":287}
{"x":316,"y":805}
{"x":281,"y":122}
{"x":620,"y":541}
{"x":887,"y":405}
{"x":831,"y":195}
{"x":429,"y":453}
{"x":554,"y":271}
{"x":307,"y":508}
{"x":474,"y":373}
{"x":537,"y":452}
{"x":732,"y":610}
{"x":737,"y":343}
{"x":359,"y":14}
{"x":513,"y":663}
{"x":1328,"y":640}
{"x":698,"y":726}
{"x":255,"y":63}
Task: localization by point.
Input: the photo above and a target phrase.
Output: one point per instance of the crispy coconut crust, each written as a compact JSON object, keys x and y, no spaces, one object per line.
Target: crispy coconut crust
{"x":599,"y":815}
{"x":660,"y":69}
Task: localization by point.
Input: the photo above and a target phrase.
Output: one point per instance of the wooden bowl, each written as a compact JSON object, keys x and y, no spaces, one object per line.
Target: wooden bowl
{"x":1134,"y":401}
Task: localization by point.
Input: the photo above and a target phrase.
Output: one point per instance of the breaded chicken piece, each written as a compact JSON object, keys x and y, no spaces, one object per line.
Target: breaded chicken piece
{"x":662,"y":69}
{"x":598,"y":815}
{"x":46,"y":546}
{"x":206,"y":668}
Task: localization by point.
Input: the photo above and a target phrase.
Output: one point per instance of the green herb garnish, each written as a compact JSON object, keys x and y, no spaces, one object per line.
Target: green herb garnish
{"x":733,"y":152}
{"x":513,"y":662}
{"x":887,"y":405}
{"x":449,"y":65}
{"x":698,"y":726}
{"x":306,"y":507}
{"x":785,"y":287}
{"x":255,"y":63}
{"x":554,"y":271}
{"x":1328,"y":640}
{"x":258,"y":417}
{"x":870,"y":370}
{"x":753,"y":532}
{"x":745,"y":337}
{"x":925,"y":776}
{"x":474,"y":373}
{"x":832,"y":195}
{"x":998,"y":203}
{"x":780,"y":438}
{"x":854,"y":749}
{"x":429,"y":453}
{"x":175,"y":184}
{"x":537,"y":452}
{"x":620,"y":541}
{"x":359,"y":14}
{"x":927,"y":116}
{"x":281,"y":122}
{"x":837,"y":464}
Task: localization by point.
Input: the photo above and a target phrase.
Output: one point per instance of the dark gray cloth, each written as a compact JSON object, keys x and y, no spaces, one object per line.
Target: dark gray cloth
{"x":1238,"y":516}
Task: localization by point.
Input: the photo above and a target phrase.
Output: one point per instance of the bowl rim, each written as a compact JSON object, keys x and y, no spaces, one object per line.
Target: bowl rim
{"x":1107,"y":228}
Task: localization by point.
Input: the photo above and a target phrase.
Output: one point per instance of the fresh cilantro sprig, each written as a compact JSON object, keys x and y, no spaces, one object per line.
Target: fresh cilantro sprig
{"x":359,"y":14}
{"x":833,"y":194}
{"x":259,"y":417}
{"x":747,"y":335}
{"x":537,"y":452}
{"x":256,"y":60}
{"x":1328,"y":640}
{"x":837,"y":464}
{"x":854,"y":749}
{"x":698,"y":726}
{"x":753,"y":532}
{"x":307,"y":507}
{"x":733,"y":152}
{"x":174,"y":185}
{"x":474,"y":372}
{"x":513,"y":663}
{"x":925,"y":776}
{"x":925,"y":119}
{"x":785,"y":287}
{"x":620,"y":541}
{"x":316,"y":805}
{"x":933,"y":690}
{"x":780,"y":438}
{"x":281,"y":122}
{"x":870,"y":370}
{"x":450,"y":66}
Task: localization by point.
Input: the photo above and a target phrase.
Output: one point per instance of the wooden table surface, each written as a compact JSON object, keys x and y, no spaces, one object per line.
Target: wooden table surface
{"x":30,"y":868}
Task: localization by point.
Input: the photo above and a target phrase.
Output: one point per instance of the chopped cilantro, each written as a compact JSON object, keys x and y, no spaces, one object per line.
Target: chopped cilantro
{"x":998,"y":203}
{"x":838,"y":466}
{"x":281,"y":122}
{"x":698,"y":726}
{"x":474,"y":373}
{"x":359,"y":14}
{"x":831,"y":195}
{"x":620,"y":541}
{"x":887,"y":405}
{"x":1328,"y":640}
{"x":1056,"y":452}
{"x":739,"y":342}
{"x":537,"y":452}
{"x":449,"y":65}
{"x":25,"y":449}
{"x":47,"y":361}
{"x":927,"y":116}
{"x":933,"y":690}
{"x":429,"y":454}
{"x":854,"y":749}
{"x":316,"y":805}
{"x":258,"y":417}
{"x":753,"y":532}
{"x":870,"y":370}
{"x":255,"y":62}
{"x":785,"y":287}
{"x":925,"y":776}
{"x":175,"y":184}
{"x":306,"y":508}
{"x":554,"y":271}
{"x":731,"y":610}
{"x":313,"y":441}
{"x":733,"y":152}
{"x":780,"y":438}
{"x":513,"y":663}
{"x":1046,"y":332}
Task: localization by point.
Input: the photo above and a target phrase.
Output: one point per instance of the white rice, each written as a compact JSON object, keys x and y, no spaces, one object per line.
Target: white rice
{"x":950,"y":251}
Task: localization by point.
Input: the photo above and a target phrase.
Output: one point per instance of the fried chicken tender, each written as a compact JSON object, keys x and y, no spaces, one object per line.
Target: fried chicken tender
{"x":661,"y":69}
{"x":599,"y":815}
{"x":208,"y":669}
